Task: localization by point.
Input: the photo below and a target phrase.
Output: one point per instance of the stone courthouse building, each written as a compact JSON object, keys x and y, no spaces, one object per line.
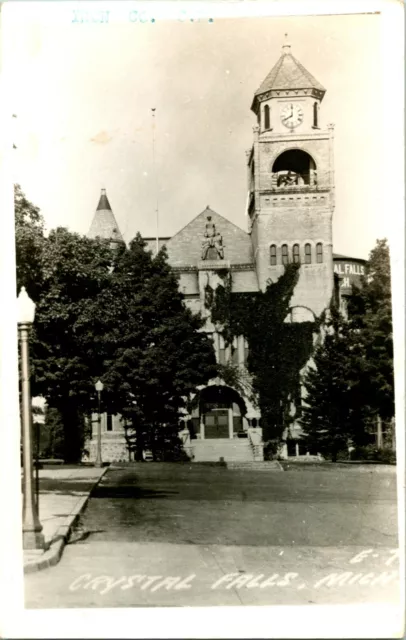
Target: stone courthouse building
{"x":289,"y":207}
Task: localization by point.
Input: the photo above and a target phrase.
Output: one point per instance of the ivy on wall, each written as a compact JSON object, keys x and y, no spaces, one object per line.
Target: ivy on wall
{"x":278,"y":350}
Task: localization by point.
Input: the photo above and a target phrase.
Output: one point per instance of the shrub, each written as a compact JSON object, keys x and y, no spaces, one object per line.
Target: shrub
{"x":271,"y":449}
{"x":387,"y":456}
{"x":372,"y":453}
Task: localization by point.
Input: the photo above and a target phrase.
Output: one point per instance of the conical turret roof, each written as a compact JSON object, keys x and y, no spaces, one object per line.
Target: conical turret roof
{"x":288,"y":74}
{"x":104,"y":224}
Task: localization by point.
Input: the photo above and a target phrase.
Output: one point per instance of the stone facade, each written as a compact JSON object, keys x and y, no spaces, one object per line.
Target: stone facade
{"x":114,"y":447}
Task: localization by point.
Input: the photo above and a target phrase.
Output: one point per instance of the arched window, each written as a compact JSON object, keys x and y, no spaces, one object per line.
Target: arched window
{"x":285,"y":255}
{"x":296,"y":253}
{"x":308,"y":253}
{"x":273,"y":255}
{"x":315,"y":115}
{"x":267,"y":117}
{"x":293,"y":167}
{"x":319,"y":252}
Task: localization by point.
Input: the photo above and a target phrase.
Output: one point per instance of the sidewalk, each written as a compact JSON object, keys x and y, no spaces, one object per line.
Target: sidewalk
{"x":63,"y":496}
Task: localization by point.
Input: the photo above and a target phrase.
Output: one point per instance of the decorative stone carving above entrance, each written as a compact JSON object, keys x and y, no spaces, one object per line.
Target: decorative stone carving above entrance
{"x":212,"y":245}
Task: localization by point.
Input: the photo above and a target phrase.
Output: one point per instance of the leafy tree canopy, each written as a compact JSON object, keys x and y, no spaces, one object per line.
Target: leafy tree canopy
{"x":158,"y":355}
{"x":29,"y":237}
{"x":66,"y":359}
{"x":327,"y":417}
{"x":350,"y":381}
{"x":370,"y":317}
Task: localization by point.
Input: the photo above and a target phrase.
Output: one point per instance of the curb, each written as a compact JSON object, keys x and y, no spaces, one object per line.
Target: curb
{"x":257,"y":465}
{"x":52,"y":556}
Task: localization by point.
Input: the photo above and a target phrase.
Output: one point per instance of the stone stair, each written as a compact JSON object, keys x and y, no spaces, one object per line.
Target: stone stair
{"x":233,"y":450}
{"x":267,"y":465}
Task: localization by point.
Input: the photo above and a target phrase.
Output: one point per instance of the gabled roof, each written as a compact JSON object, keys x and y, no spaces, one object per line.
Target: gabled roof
{"x":206,"y":212}
{"x":185,"y":247}
{"x":288,"y":74}
{"x":104,"y":224}
{"x":338,"y":256}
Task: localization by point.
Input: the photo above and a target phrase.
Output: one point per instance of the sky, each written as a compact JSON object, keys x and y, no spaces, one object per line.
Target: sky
{"x":85,"y":92}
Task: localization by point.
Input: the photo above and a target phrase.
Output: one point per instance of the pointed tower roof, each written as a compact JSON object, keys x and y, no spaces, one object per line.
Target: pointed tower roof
{"x":104,"y":224}
{"x":288,"y":74}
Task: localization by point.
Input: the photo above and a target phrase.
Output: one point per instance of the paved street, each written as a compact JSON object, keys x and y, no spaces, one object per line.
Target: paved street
{"x":165,"y":534}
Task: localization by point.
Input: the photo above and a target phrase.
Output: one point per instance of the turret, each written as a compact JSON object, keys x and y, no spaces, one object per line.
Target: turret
{"x":104,"y":224}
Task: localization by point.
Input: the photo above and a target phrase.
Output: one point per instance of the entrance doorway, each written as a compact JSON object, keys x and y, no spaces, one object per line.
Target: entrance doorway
{"x":218,"y":413}
{"x":216,"y":421}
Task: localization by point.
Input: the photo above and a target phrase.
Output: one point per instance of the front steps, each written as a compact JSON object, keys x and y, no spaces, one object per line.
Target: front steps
{"x":233,"y":450}
{"x":267,"y":465}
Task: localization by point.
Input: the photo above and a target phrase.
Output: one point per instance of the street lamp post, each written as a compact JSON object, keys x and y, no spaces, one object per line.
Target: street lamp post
{"x":32,"y":528}
{"x":99,"y":386}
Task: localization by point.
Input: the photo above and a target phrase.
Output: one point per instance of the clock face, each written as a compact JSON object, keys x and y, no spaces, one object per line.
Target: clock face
{"x":292,"y":115}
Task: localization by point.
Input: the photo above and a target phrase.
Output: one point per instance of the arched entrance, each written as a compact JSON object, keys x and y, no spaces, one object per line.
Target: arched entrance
{"x":218,"y":413}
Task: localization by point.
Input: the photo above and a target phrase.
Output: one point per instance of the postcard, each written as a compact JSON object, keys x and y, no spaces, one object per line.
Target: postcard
{"x":202,"y":372}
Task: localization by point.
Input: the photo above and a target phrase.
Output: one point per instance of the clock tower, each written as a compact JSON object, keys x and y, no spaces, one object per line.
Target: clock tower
{"x":291,"y":185}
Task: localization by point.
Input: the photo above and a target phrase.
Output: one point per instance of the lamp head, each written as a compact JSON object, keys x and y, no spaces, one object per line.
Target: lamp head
{"x":99,"y":386}
{"x":25,"y":308}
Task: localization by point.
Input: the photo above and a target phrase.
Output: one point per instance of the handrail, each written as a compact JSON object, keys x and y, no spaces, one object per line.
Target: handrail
{"x":255,"y":439}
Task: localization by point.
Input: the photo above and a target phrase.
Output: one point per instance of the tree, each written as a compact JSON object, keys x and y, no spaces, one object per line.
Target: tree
{"x":54,"y":433}
{"x":327,"y":418}
{"x":370,"y":317}
{"x":66,"y":358}
{"x":29,"y":237}
{"x":158,"y":355}
{"x":351,"y":381}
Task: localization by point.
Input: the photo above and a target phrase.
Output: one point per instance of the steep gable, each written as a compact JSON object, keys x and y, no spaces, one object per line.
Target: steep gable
{"x":185,"y":247}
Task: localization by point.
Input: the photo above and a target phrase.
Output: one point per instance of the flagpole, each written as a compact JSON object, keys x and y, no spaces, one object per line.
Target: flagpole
{"x":155,"y":178}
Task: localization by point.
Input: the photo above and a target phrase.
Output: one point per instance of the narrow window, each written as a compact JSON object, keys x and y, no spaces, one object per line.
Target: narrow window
{"x":319,"y":252}
{"x":273,"y":255}
{"x":296,"y":253}
{"x":234,"y":351}
{"x":285,"y":255}
{"x":308,"y":253}
{"x":222,"y":350}
{"x":109,"y":422}
{"x":246,"y":349}
{"x":315,"y":115}
{"x":267,"y":119}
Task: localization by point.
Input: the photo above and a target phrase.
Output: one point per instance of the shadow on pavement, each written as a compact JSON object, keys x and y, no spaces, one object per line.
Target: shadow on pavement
{"x":131,"y":491}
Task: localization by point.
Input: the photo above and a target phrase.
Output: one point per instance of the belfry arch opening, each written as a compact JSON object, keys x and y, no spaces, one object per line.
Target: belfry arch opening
{"x":294,"y":168}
